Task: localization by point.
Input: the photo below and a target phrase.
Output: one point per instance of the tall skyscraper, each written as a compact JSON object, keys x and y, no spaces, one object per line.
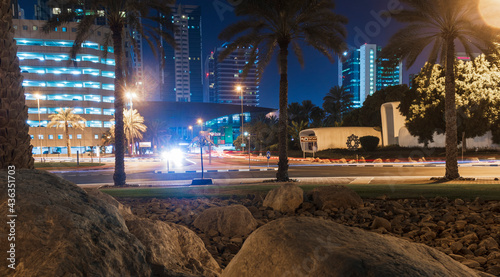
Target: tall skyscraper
{"x":181,"y":75}
{"x":362,"y":73}
{"x":222,"y":78}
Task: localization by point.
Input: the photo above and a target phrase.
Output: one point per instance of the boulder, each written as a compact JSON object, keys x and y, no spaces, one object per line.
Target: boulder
{"x":230,"y":221}
{"x":380,"y":222}
{"x":66,"y":232}
{"x":286,"y":198}
{"x":173,"y":248}
{"x":336,"y":196}
{"x":316,"y":247}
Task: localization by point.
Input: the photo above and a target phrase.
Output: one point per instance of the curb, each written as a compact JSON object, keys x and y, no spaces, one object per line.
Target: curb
{"x":216,"y":170}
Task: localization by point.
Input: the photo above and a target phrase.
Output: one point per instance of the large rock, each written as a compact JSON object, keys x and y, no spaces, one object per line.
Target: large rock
{"x":316,"y":247}
{"x":286,"y":198}
{"x":230,"y":221}
{"x":173,"y":248}
{"x":336,"y":196}
{"x":60,"y":230}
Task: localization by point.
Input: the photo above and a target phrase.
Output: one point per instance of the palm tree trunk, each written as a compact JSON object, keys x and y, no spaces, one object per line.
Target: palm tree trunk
{"x":15,"y":145}
{"x":66,"y":133}
{"x":282,"y":174}
{"x":132,"y":144}
{"x":451,"y":113}
{"x":119,"y":176}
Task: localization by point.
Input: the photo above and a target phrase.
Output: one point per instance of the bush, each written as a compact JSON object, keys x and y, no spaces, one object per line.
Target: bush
{"x":369,"y":143}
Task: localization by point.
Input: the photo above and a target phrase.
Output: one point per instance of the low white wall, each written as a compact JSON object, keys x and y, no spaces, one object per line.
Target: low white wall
{"x":336,"y":137}
{"x":483,"y":142}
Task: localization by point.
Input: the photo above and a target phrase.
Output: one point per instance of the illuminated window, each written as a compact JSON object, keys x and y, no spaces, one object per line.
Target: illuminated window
{"x":56,"y":10}
{"x":109,"y":74}
{"x":70,"y":136}
{"x":108,"y":86}
{"x":93,"y":98}
{"x":93,"y":111}
{"x":35,"y":27}
{"x":59,"y":136}
{"x":108,"y":112}
{"x":108,"y":99}
{"x":51,"y":136}
{"x":40,"y":136}
{"x":96,"y":136}
{"x":79,"y":136}
{"x":94,"y":123}
{"x":108,"y":124}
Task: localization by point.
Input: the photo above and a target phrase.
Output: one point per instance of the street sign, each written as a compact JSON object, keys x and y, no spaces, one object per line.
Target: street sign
{"x":309,"y":139}
{"x":144,"y":144}
{"x":268,"y":154}
{"x":243,"y":145}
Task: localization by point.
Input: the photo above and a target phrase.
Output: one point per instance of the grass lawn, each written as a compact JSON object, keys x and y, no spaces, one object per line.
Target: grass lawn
{"x":64,"y":164}
{"x":452,"y":191}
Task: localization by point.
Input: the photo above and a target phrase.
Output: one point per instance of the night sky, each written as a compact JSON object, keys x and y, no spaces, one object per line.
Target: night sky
{"x":314,"y":80}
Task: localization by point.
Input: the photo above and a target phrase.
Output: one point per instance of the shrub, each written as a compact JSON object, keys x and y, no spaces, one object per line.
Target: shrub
{"x":369,"y":143}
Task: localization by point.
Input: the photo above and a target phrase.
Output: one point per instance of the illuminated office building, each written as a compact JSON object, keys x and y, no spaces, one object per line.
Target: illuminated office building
{"x":85,"y":84}
{"x":362,"y":73}
{"x":222,"y":78}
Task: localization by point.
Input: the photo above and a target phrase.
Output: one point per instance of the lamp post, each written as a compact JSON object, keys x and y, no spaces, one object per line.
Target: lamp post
{"x":248,"y":136}
{"x":131,"y":96}
{"x":200,"y":121}
{"x":240,"y":90}
{"x":38,"y":96}
{"x":191,"y":129}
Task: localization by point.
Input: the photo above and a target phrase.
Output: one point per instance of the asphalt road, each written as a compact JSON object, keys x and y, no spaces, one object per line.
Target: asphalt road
{"x":145,"y":172}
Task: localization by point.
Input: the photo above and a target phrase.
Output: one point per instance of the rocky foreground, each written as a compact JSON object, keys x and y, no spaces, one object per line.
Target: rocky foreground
{"x":467,"y":231}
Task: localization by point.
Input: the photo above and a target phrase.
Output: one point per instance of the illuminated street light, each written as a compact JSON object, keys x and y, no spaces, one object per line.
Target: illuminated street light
{"x":38,"y":96}
{"x":489,"y":10}
{"x":131,"y":96}
{"x":191,"y":128}
{"x":240,"y":90}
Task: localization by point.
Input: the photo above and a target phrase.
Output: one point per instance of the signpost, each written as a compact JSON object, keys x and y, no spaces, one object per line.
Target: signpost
{"x":310,"y":139}
{"x":268,"y":155}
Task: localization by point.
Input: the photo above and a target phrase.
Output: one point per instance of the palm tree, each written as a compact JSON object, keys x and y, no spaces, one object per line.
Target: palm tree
{"x":15,"y":146}
{"x":337,"y":103}
{"x":278,"y":24}
{"x":118,"y":14}
{"x":133,"y":124}
{"x":65,"y":119}
{"x":442,"y":24}
{"x":157,"y":131}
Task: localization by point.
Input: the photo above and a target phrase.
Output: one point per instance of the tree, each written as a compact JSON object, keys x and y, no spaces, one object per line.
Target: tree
{"x":157,"y":132}
{"x":118,"y":14}
{"x":441,"y":24}
{"x":336,"y":103}
{"x":278,"y":24}
{"x":478,"y":99}
{"x":296,"y":128}
{"x":133,"y":125}
{"x":369,"y":114}
{"x":15,"y":145}
{"x":65,"y":119}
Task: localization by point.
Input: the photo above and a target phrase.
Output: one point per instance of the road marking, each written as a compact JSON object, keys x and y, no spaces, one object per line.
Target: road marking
{"x":361,"y":181}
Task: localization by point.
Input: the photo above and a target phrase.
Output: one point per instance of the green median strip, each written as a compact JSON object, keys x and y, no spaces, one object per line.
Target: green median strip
{"x":452,"y":191}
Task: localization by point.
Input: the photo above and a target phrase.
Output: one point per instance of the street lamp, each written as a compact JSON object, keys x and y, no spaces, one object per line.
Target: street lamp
{"x":191,"y":128}
{"x":131,"y":96}
{"x":240,"y":90}
{"x":248,"y":136}
{"x":38,"y":96}
{"x":200,"y":121}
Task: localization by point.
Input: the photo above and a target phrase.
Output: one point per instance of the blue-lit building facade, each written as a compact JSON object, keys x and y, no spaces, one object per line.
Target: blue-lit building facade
{"x":181,"y":75}
{"x":223,"y":76}
{"x":53,"y":81}
{"x":362,"y":73}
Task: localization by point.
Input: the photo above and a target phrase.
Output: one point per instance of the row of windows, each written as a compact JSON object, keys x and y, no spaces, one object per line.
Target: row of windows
{"x":65,"y":70}
{"x":62,"y":57}
{"x":60,"y":136}
{"x":77,"y":110}
{"x":72,"y":97}
{"x":88,"y":123}
{"x":68,"y":84}
{"x":60,"y":43}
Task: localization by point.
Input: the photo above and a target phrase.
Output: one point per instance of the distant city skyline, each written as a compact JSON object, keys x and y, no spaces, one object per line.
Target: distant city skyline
{"x":366,"y":25}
